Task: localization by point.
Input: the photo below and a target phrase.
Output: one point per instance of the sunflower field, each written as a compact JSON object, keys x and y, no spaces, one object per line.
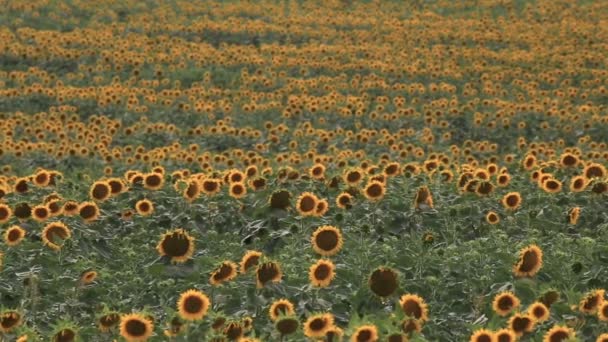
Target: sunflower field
{"x":284,"y":170}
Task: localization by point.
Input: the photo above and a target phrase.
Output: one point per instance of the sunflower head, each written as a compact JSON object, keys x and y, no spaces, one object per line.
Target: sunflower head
{"x":521,"y":323}
{"x":383,"y":281}
{"x":592,"y":300}
{"x":176,"y":244}
{"x":559,"y":333}
{"x":602,"y":311}
{"x":108,"y":320}
{"x":234,"y":330}
{"x":530,"y":261}
{"x":511,"y":201}
{"x":89,"y":211}
{"x":322,"y":273}
{"x":374,"y":191}
{"x":136,"y":327}
{"x":505,"y":335}
{"x":317,"y":325}
{"x":250,"y":260}
{"x":54,"y":233}
{"x":365,"y":333}
{"x":225,"y":272}
{"x":307,"y":204}
{"x":153,"y":181}
{"x":327,"y":240}
{"x":9,"y":320}
{"x":100,"y":191}
{"x":414,"y":307}
{"x":238,"y":190}
{"x":193,"y":305}
{"x":281,"y":307}
{"x":482,"y":335}
{"x":504,"y":303}
{"x":423,"y":198}
{"x":286,"y":324}
{"x":344,"y":200}
{"x":539,"y":311}
{"x":14,"y":235}
{"x":268,"y":272}
{"x":492,"y":218}
{"x":88,"y":277}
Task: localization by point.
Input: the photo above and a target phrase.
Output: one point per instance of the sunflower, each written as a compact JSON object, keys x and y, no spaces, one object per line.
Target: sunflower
{"x":602,"y":311}
{"x":144,"y":207}
{"x":70,"y":208}
{"x":153,"y":181}
{"x":247,"y":323}
{"x":55,"y":231}
{"x":530,"y":261}
{"x":591,"y":301}
{"x":423,"y":198}
{"x":558,"y":334}
{"x":280,"y":199}
{"x":594,"y":170}
{"x":41,"y":213}
{"x":353,"y":177}
{"x":573,"y":215}
{"x":225,"y":272}
{"x":327,"y":240}
{"x":511,"y":201}
{"x":521,"y":323}
{"x":322,"y":207}
{"x":281,"y":307}
{"x":192,"y":190}
{"x":268,"y":272}
{"x":484,"y":188}
{"x":21,"y":185}
{"x":238,"y":190}
{"x":374,"y":191}
{"x":317,"y":171}
{"x":250,"y":260}
{"x":136,"y":327}
{"x":365,"y":333}
{"x":492,"y":217}
{"x":55,"y":208}
{"x":410,"y":325}
{"x":549,"y":297}
{"x":602,"y":338}
{"x":482,"y":335}
{"x":117,"y":186}
{"x":322,"y":273}
{"x":344,"y":200}
{"x":392,"y":169}
{"x":14,"y":235}
{"x":88,"y":211}
{"x":505,"y":302}
{"x":235,"y":176}
{"x":414,"y":307}
{"x":42,"y":178}
{"x":503,"y":180}
{"x":505,"y":335}
{"x":286,"y":325}
{"x":211,"y":186}
{"x":599,"y":186}
{"x":551,"y":185}
{"x":568,"y":160}
{"x":88,"y":277}
{"x":539,"y":311}
{"x":100,"y":191}
{"x":66,"y":334}
{"x":258,"y":183}
{"x":578,"y":183}
{"x":9,"y":320}
{"x":193,"y":305}
{"x":175,"y":328}
{"x":234,"y":331}
{"x":176,"y":244}
{"x":383,"y":281}
{"x":317,"y":325}
{"x":5,"y":213}
{"x":23,"y":211}
{"x":108,"y":321}
{"x":397,"y":337}
{"x":307,"y":204}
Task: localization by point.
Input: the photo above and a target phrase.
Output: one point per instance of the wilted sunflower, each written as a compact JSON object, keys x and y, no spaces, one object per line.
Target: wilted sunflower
{"x":268,"y":272}
{"x":573,"y":215}
{"x":592,"y":300}
{"x":521,"y":323}
{"x":14,"y":235}
{"x":225,"y":272}
{"x":238,"y":190}
{"x":365,"y":333}
{"x":559,"y":334}
{"x":414,"y":307}
{"x":511,"y":201}
{"x":144,"y":207}
{"x":322,"y":273}
{"x":136,"y":327}
{"x":383,"y":281}
{"x":250,"y":260}
{"x":602,"y":311}
{"x":327,"y":240}
{"x":504,"y":303}
{"x":530,"y":261}
{"x":5,"y":213}
{"x":88,"y":277}
{"x":153,"y":181}
{"x":280,"y":199}
{"x":176,"y":244}
{"x":307,"y":204}
{"x":424,"y":198}
{"x":492,"y":217}
{"x":193,"y":305}
{"x":578,"y":183}
{"x":108,"y":321}
{"x":88,"y":211}
{"x":539,"y":311}
{"x":287,"y":325}
{"x":23,"y":211}
{"x":317,"y":325}
{"x":374,"y":191}
{"x":505,"y":335}
{"x":281,"y":307}
{"x":100,"y":191}
{"x":482,"y":335}
{"x":344,"y":200}
{"x":9,"y":320}
{"x":55,"y":231}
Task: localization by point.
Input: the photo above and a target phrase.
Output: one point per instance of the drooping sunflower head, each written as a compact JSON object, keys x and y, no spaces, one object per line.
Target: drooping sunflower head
{"x":365,"y":333}
{"x":176,"y":244}
{"x":225,"y":272}
{"x":549,"y":297}
{"x":505,"y":302}
{"x":136,"y":327}
{"x":66,"y":334}
{"x":9,"y":320}
{"x":521,"y":323}
{"x":280,"y":199}
{"x":482,"y":335}
{"x":383,"y":281}
{"x":54,"y":233}
{"x":410,"y":325}
{"x":327,"y":240}
{"x":322,"y":273}
{"x":397,"y":337}
{"x":591,"y":301}
{"x":268,"y":272}
{"x":175,"y":327}
{"x":414,"y":307}
{"x":317,"y":325}
{"x":14,"y":235}
{"x":559,"y":333}
{"x":281,"y":307}
{"x":88,"y":211}
{"x":530,"y":261}
{"x":286,"y":324}
{"x":307,"y":204}
{"x":108,"y":320}
{"x":250,"y":260}
{"x":193,"y":305}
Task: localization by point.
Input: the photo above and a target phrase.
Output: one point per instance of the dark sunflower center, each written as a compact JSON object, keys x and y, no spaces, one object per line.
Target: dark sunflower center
{"x":23,"y":210}
{"x":280,"y":309}
{"x":175,"y":245}
{"x":594,"y":171}
{"x":484,"y":338}
{"x":192,"y":190}
{"x":251,"y":261}
{"x":412,"y":309}
{"x":374,"y":190}
{"x":40,"y":212}
{"x":210,"y":186}
{"x":512,"y":201}
{"x":520,"y":324}
{"x":504,"y":337}
{"x":56,"y":232}
{"x":383,"y":282}
{"x":530,"y":261}
{"x":144,"y":206}
{"x":559,"y":336}
{"x":237,"y":189}
{"x":14,"y":235}
{"x":317,"y":324}
{"x":538,"y":312}
{"x":9,"y":320}
{"x":322,"y":272}
{"x":353,"y":177}
{"x":234,"y":331}
{"x":100,"y":191}
{"x":364,"y":335}
{"x":87,"y":211}
{"x":152,"y":180}
{"x":591,"y":302}
{"x":505,"y":303}
{"x":65,"y":335}
{"x":223,"y":273}
{"x":307,"y":204}
{"x":115,"y":187}
{"x":287,"y":326}
{"x":193,"y":304}
{"x":136,"y":327}
{"x":327,"y":240}
{"x":267,"y":272}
